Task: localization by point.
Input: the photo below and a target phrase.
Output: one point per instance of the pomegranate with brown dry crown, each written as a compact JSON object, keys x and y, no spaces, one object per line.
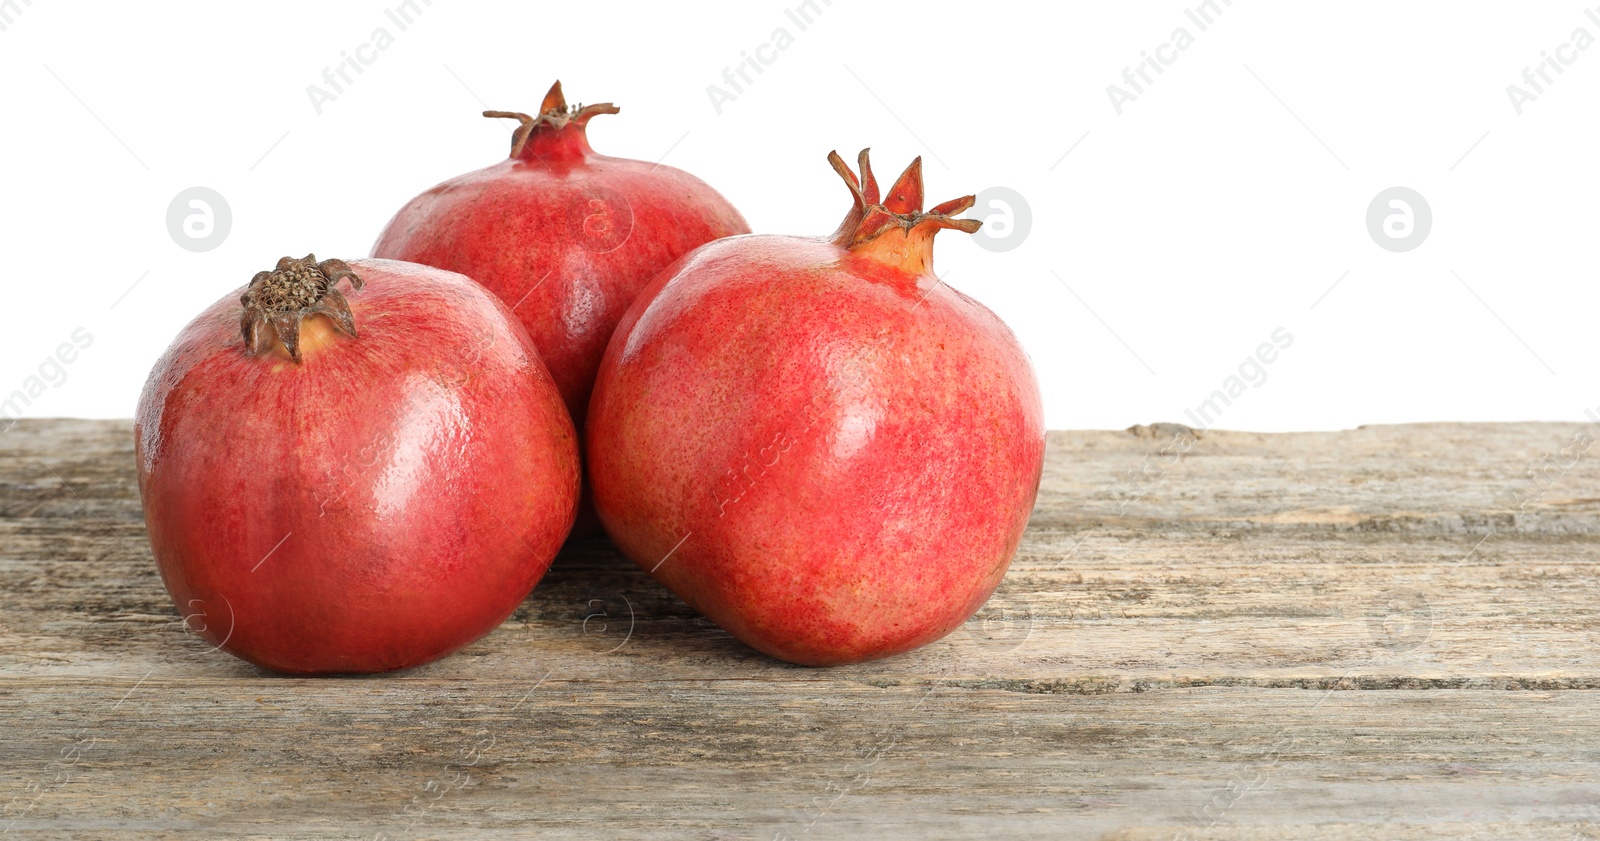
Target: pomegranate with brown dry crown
{"x":566,"y":237}
{"x":815,"y":442}
{"x":359,"y":482}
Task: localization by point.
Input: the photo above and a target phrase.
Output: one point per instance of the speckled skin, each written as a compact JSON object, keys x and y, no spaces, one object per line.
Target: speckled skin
{"x":390,"y":499}
{"x":840,"y":454}
{"x":566,"y":236}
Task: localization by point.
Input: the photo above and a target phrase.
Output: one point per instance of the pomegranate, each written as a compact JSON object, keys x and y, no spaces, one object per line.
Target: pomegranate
{"x":814,"y":441}
{"x":359,"y":482}
{"x":564,"y":236}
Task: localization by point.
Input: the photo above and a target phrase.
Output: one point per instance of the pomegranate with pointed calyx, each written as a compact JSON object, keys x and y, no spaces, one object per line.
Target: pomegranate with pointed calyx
{"x":566,"y":237}
{"x":815,"y":442}
{"x":359,"y":482}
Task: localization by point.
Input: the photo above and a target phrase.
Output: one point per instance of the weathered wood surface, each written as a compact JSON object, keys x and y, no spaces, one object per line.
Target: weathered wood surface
{"x":1387,"y":632}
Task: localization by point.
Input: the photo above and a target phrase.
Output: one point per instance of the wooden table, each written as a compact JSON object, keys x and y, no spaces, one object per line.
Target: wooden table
{"x":1389,"y":632}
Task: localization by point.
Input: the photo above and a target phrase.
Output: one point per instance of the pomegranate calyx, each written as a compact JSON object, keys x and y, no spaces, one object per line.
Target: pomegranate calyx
{"x":553,"y":115}
{"x":870,"y":216}
{"x":909,"y":245}
{"x":289,"y":294}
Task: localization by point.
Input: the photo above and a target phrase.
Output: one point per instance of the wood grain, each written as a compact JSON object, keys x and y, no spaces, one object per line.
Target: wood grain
{"x":1385,"y":632}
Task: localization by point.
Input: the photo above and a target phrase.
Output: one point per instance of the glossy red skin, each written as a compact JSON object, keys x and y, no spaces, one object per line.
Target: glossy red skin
{"x":544,"y":231}
{"x":843,"y":453}
{"x":425,"y":474}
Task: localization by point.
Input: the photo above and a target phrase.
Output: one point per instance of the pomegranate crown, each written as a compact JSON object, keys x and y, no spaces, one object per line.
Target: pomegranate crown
{"x":871,"y":216}
{"x":553,"y":115}
{"x":286,"y":296}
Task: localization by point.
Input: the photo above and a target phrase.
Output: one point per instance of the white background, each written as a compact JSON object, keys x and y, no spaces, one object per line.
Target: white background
{"x":1183,"y":231}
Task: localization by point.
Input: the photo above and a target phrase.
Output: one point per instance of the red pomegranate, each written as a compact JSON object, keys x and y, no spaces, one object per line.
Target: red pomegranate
{"x":815,"y":442}
{"x":357,"y":483}
{"x":566,"y":237}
